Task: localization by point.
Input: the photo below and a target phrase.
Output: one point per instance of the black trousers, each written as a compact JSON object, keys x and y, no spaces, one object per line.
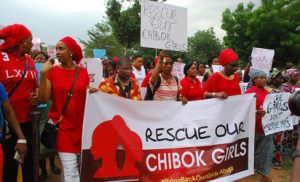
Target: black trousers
{"x":10,"y":165}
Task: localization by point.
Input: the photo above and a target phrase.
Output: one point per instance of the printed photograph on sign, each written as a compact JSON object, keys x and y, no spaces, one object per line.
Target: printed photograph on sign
{"x":163,"y":26}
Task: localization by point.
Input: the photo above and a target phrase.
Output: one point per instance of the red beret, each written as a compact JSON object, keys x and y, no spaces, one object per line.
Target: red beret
{"x":74,"y":47}
{"x":13,"y":35}
{"x":227,"y":56}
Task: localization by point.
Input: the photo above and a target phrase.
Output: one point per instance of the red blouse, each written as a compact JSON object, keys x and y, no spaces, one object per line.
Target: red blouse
{"x":260,"y":98}
{"x":11,"y":71}
{"x":70,"y":128}
{"x":190,"y":90}
{"x":218,"y":83}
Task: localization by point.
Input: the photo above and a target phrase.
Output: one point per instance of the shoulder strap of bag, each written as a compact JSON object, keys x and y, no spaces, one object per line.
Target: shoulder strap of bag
{"x":69,"y":94}
{"x":22,"y":78}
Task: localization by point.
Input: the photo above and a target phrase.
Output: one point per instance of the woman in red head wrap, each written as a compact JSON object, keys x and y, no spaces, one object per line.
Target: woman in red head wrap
{"x":19,"y":77}
{"x":226,"y":81}
{"x":56,"y":83}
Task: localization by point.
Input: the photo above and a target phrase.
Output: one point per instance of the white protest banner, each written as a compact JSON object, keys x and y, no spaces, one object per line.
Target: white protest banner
{"x":95,"y":70}
{"x":36,"y":44}
{"x":262,"y":59}
{"x":217,"y":68}
{"x":209,"y":140}
{"x":163,"y":26}
{"x":278,"y":115}
{"x":178,"y":70}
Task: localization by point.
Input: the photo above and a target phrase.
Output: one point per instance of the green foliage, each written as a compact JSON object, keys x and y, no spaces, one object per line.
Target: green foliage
{"x":203,"y":45}
{"x":274,"y":25}
{"x":125,"y":24}
{"x":101,"y":37}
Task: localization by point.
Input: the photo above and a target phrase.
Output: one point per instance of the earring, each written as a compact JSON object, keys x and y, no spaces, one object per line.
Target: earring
{"x":71,"y":55}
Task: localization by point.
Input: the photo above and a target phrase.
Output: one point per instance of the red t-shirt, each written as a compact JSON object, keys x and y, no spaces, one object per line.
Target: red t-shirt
{"x":70,"y":128}
{"x":191,"y":90}
{"x":147,"y":79}
{"x":11,"y":72}
{"x":260,"y":98}
{"x":218,"y":83}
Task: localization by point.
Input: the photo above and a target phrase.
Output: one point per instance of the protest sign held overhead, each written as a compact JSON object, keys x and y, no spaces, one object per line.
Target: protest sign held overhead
{"x":262,"y":59}
{"x":163,"y":26}
{"x":134,"y":142}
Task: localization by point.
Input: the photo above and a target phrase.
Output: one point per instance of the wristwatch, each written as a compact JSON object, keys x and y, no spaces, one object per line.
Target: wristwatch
{"x":295,"y":154}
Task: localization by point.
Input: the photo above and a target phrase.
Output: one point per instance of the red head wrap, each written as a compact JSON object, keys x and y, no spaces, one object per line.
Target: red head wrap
{"x":74,"y":47}
{"x":115,"y":59}
{"x":13,"y":35}
{"x":227,"y":56}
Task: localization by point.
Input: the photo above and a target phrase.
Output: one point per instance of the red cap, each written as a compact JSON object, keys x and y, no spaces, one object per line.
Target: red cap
{"x":227,"y":56}
{"x":13,"y":35}
{"x":74,"y":47}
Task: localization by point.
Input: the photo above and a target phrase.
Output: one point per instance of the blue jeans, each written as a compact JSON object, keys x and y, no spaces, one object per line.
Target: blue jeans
{"x":263,"y":153}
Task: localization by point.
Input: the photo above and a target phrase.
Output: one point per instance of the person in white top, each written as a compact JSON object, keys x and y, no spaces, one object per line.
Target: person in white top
{"x":138,"y":68}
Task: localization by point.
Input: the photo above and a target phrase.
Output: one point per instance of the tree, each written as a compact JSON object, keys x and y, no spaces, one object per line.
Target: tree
{"x":101,"y":37}
{"x":274,"y":25}
{"x":203,"y":45}
{"x":125,"y":24}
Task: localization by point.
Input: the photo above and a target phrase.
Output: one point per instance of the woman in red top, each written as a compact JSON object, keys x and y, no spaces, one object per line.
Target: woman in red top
{"x":264,"y":146}
{"x":227,"y":80}
{"x":56,"y":82}
{"x":191,"y":88}
{"x":13,"y":60}
{"x":190,"y":85}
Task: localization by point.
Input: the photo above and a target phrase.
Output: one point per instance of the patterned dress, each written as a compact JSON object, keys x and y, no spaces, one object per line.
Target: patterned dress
{"x":111,"y":86}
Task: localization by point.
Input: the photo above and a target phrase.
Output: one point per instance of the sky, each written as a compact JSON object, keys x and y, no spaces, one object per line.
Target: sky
{"x":50,"y":20}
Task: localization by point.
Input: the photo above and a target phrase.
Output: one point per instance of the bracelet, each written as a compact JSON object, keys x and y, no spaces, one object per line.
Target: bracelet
{"x":22,"y":141}
{"x":213,"y":95}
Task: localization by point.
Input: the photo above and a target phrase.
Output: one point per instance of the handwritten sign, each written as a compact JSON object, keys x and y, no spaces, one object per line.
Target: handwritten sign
{"x":262,"y":59}
{"x":217,"y":68}
{"x":178,"y":70}
{"x":278,"y":115}
{"x":95,"y":70}
{"x":163,"y":26}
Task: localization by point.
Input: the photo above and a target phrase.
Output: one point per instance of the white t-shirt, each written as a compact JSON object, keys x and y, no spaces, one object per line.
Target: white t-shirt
{"x":139,"y":75}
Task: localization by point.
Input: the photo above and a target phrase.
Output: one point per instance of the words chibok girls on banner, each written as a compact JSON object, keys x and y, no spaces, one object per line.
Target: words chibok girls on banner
{"x":209,"y":140}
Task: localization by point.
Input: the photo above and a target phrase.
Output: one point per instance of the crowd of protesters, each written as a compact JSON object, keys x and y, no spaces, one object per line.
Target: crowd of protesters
{"x":60,"y":91}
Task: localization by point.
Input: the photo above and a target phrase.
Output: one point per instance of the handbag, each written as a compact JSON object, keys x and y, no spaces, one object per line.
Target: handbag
{"x":49,"y":133}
